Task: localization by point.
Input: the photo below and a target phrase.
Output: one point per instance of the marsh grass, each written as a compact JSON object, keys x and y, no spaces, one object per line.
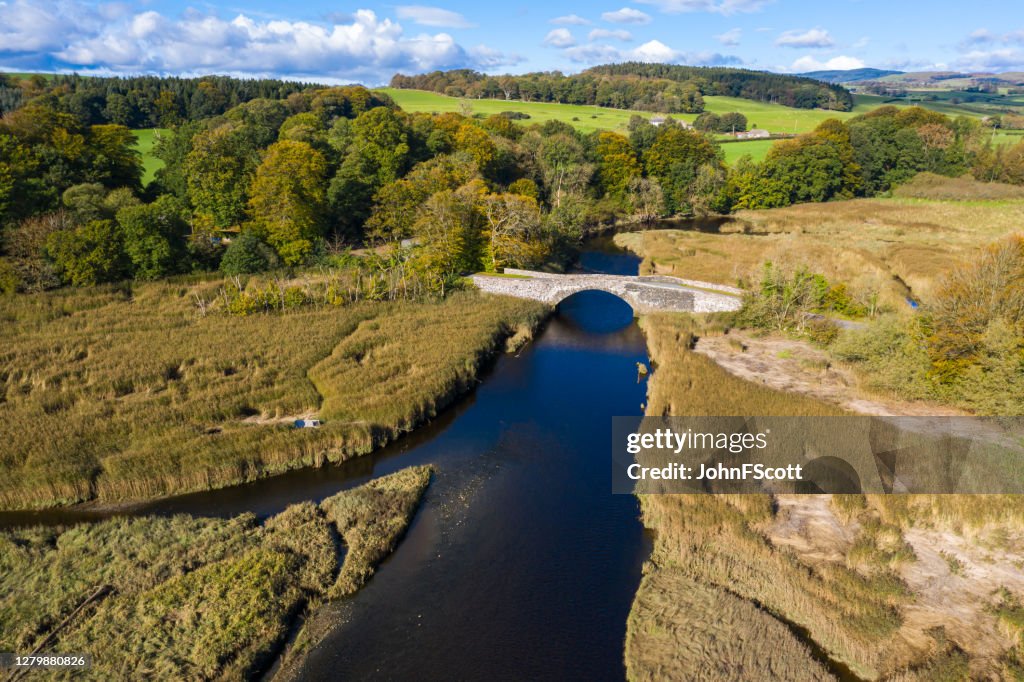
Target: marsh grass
{"x":850,"y":609}
{"x":716,"y":540}
{"x":195,"y":598}
{"x":897,"y":246}
{"x":941,"y":188}
{"x":730,"y":639}
{"x":127,"y":392}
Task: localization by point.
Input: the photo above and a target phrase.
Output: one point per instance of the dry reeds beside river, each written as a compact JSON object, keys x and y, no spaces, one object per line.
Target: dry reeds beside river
{"x":127,"y":392}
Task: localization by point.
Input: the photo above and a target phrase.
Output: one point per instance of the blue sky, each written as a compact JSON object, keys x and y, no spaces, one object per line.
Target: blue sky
{"x":369,"y":41}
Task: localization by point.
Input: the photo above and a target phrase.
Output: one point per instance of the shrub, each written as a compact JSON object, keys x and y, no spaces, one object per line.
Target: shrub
{"x":246,"y":255}
{"x":9,"y":279}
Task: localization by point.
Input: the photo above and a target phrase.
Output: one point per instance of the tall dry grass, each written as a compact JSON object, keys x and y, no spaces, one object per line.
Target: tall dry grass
{"x":717,"y":541}
{"x":194,"y":598}
{"x":870,"y":244}
{"x":731,"y":638}
{"x":851,"y":609}
{"x":127,"y":392}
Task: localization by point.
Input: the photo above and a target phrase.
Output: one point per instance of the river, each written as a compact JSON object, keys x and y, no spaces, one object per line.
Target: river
{"x":520,"y":564}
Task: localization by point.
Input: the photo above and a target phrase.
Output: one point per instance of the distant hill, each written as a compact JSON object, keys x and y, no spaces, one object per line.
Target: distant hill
{"x":953,"y":79}
{"x":666,"y":88}
{"x":849,"y":75}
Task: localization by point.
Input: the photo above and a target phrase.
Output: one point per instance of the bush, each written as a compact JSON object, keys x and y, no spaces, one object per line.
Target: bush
{"x":9,"y":279}
{"x":246,"y":255}
{"x":90,"y":254}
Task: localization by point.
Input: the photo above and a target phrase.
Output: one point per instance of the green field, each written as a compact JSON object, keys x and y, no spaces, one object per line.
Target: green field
{"x":757,"y":149}
{"x":150,"y":164}
{"x":773,"y":117}
{"x":584,"y":118}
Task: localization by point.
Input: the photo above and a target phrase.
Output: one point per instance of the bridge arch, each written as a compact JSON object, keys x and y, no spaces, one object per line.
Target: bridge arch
{"x":561,"y":295}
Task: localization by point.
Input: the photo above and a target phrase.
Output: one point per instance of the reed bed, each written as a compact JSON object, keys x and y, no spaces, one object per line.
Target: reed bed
{"x":731,"y":639}
{"x":851,"y":610}
{"x":128,"y":392}
{"x":716,"y":541}
{"x":897,"y":246}
{"x":193,"y":598}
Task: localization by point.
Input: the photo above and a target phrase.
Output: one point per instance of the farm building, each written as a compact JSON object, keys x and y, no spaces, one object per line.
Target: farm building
{"x":754,"y":134}
{"x":659,"y":120}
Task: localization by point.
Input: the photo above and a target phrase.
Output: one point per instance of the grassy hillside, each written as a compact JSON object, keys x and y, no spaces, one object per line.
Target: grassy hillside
{"x":772,"y":117}
{"x":150,"y":164}
{"x":585,"y":118}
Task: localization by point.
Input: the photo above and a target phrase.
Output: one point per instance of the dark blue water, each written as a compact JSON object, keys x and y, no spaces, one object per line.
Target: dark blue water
{"x":521,"y":564}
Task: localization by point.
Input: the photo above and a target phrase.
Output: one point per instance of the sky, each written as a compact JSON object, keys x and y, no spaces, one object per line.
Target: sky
{"x":368,"y":42}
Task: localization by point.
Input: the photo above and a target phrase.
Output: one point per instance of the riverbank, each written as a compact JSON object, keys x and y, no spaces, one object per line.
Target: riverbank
{"x":113,"y":395}
{"x":862,"y":585}
{"x":195,"y":598}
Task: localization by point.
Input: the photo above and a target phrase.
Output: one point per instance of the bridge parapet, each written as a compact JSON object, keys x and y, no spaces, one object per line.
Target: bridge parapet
{"x":643,"y":294}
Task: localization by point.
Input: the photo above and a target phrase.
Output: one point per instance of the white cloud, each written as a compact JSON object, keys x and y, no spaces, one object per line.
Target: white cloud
{"x":571,"y":20}
{"x":656,"y":51}
{"x":730,"y":37}
{"x":488,"y":58}
{"x":559,"y":37}
{"x":627,"y":15}
{"x":726,"y":7}
{"x":983,"y":36}
{"x":815,"y":37}
{"x":651,"y":51}
{"x":840,"y":63}
{"x":984,"y":50}
{"x":1000,"y":59}
{"x":74,"y":35}
{"x":605,"y":34}
{"x":594,"y":54}
{"x":432,"y":16}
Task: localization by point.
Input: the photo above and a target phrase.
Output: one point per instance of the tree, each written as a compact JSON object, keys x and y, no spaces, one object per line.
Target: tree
{"x":247,"y":254}
{"x":708,"y":122}
{"x":90,"y":254}
{"x":732,"y":122}
{"x":113,"y":158}
{"x":154,"y":237}
{"x":397,"y":204}
{"x":218,"y":172}
{"x":288,"y":200}
{"x":513,"y":224}
{"x":477,"y":143}
{"x":617,"y":164}
{"x":646,"y":199}
{"x":448,"y":231}
{"x":675,"y":159}
{"x":379,"y":137}
{"x":22,"y":190}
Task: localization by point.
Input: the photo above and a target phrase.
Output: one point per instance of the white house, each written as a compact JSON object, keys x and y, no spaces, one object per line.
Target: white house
{"x":658,"y":120}
{"x":754,"y":134}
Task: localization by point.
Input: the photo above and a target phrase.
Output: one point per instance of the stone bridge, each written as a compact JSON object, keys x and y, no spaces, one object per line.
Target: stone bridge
{"x":643,"y":294}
